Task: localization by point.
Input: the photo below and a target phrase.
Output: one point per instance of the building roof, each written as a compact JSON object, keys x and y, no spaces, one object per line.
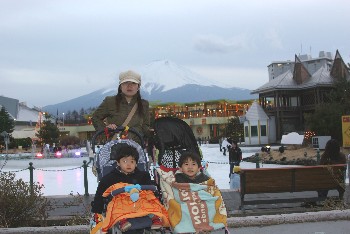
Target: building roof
{"x":285,"y":81}
{"x":11,"y":105}
{"x":301,"y":79}
{"x":256,"y":112}
{"x":27,"y":114}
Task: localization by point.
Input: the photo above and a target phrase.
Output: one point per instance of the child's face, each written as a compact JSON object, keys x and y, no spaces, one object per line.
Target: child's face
{"x":127,"y":164}
{"x":190,"y":168}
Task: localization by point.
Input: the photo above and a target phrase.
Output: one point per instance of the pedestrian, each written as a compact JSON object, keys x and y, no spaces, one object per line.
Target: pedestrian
{"x":90,"y":153}
{"x":331,"y":155}
{"x":220,"y":143}
{"x":97,"y":150}
{"x":199,"y":141}
{"x":225,"y":144}
{"x":235,"y":156}
{"x":235,"y":179}
{"x":127,"y":108}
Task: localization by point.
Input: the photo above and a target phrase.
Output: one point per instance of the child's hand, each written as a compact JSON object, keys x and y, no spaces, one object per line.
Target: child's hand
{"x":95,"y":219}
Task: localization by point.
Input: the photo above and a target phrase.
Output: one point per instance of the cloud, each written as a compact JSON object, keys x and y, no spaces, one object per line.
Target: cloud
{"x":273,"y":39}
{"x":211,"y":44}
{"x":240,"y":77}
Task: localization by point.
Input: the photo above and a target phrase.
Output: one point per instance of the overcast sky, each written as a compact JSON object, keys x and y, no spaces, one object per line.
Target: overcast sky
{"x":53,"y":51}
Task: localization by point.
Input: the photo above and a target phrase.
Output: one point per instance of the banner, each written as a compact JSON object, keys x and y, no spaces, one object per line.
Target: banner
{"x":346,"y":130}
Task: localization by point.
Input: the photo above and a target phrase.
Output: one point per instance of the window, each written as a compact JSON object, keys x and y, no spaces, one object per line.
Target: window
{"x":246,"y":131}
{"x":254,"y":131}
{"x":263,"y":130}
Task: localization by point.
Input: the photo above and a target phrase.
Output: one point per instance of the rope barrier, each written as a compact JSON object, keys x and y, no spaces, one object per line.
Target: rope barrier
{"x":6,"y":158}
{"x":18,"y":170}
{"x":70,"y":169}
{"x":48,"y":170}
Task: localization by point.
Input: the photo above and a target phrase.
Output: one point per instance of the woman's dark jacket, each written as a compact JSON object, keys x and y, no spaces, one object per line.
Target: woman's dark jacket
{"x":235,"y":154}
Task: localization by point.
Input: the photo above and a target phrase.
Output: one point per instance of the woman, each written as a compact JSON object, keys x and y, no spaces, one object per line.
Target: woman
{"x":114,"y":110}
{"x":331,"y":155}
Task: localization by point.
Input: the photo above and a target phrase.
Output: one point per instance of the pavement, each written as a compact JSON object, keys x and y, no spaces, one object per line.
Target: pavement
{"x":273,"y":218}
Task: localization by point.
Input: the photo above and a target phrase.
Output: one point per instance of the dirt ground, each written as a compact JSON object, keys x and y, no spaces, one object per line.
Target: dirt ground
{"x":295,"y":152}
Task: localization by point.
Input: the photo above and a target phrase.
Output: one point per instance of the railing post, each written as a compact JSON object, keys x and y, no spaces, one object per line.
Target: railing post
{"x":85,"y":179}
{"x":318,"y":157}
{"x":257,"y":160}
{"x":31,"y":182}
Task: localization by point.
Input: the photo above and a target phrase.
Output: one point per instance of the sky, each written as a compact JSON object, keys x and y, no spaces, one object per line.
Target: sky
{"x":54,"y":51}
{"x":54,"y":175}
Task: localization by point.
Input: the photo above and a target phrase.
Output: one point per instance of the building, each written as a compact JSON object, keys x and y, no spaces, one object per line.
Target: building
{"x":259,"y":129}
{"x":207,"y":119}
{"x":295,"y":89}
{"x":26,"y":118}
{"x":311,"y":64}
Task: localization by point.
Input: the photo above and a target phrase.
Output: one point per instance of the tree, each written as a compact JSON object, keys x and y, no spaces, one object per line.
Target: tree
{"x":326,"y":120}
{"x":235,"y":129}
{"x":48,"y":132}
{"x":6,"y":122}
{"x":341,"y":95}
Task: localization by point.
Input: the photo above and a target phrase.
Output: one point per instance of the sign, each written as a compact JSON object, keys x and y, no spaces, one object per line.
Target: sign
{"x":204,"y":121}
{"x":346,"y":130}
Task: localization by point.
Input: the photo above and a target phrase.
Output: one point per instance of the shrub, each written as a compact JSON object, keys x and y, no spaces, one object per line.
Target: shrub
{"x":83,"y":216}
{"x":20,"y":207}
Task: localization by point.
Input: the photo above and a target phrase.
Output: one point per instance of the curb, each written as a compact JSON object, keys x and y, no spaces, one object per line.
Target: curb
{"x":267,"y":220}
{"x":233,"y":222}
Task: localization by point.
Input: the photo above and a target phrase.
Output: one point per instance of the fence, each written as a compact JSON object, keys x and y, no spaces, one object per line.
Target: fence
{"x":31,"y":169}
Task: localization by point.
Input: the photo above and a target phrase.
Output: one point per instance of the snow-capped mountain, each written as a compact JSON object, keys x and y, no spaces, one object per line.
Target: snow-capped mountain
{"x":162,"y":81}
{"x":164,"y":75}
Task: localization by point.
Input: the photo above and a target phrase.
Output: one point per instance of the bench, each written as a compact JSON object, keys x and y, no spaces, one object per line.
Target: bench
{"x":291,"y":179}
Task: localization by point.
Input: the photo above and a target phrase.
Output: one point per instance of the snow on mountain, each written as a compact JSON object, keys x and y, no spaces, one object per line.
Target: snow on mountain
{"x":164,"y":75}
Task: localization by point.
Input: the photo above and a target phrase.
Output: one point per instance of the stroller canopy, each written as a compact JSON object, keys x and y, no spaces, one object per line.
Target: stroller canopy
{"x":173,"y":135}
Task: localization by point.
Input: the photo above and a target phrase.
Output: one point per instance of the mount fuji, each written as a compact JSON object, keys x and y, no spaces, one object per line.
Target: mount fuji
{"x":163,"y":81}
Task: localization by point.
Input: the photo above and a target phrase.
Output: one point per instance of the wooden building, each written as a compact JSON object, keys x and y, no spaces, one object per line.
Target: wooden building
{"x":298,"y":91}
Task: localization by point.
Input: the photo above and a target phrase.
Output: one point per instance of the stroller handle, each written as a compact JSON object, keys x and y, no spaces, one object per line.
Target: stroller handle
{"x":117,"y":130}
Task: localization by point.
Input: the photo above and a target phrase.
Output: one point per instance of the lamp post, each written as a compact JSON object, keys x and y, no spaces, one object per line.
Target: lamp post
{"x":63,"y":118}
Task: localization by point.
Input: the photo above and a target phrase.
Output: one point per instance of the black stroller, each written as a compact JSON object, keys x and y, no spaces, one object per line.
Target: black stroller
{"x":173,"y":137}
{"x":194,"y":208}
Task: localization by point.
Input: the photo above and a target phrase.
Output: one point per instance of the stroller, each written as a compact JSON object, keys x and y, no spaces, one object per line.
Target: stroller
{"x":137,"y":202}
{"x":193,"y":208}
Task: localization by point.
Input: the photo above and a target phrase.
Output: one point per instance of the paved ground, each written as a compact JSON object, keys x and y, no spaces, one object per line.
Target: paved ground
{"x":255,"y":219}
